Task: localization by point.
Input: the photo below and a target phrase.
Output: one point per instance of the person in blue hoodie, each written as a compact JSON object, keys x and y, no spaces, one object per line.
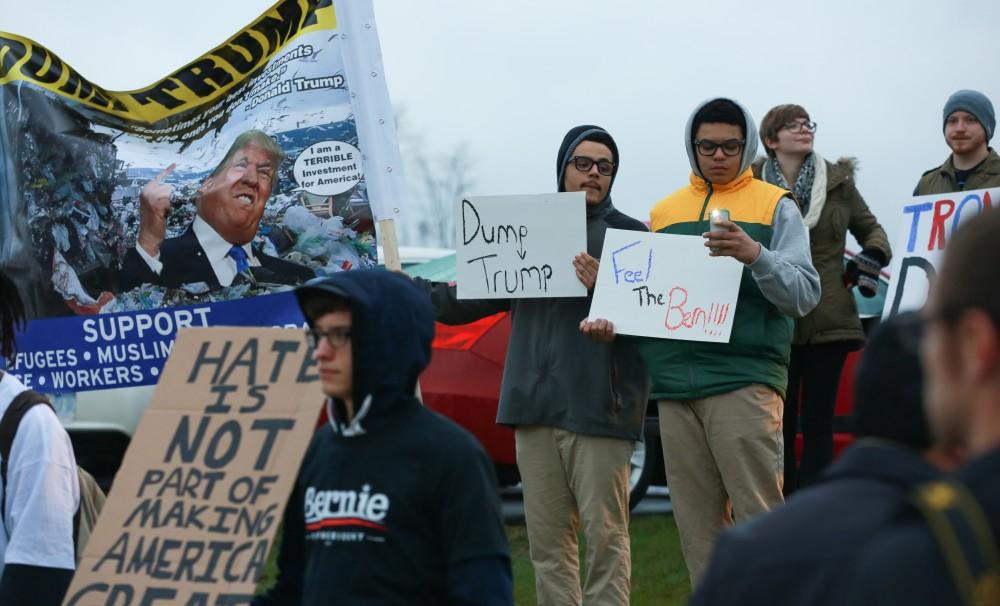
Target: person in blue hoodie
{"x":394,"y":504}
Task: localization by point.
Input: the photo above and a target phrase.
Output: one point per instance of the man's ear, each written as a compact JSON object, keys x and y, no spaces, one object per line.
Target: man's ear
{"x":205,"y":185}
{"x":770,"y":143}
{"x":979,"y":343}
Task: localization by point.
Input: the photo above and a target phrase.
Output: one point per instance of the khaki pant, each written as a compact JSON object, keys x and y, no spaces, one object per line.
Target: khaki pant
{"x":573,"y":482}
{"x":719,"y":452}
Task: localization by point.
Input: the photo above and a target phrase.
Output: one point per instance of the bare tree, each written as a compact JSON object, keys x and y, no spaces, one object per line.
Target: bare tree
{"x":437,"y":182}
{"x":444,"y":180}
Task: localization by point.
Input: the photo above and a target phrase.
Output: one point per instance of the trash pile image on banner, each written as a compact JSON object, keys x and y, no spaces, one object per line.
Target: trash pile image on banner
{"x":199,"y":200}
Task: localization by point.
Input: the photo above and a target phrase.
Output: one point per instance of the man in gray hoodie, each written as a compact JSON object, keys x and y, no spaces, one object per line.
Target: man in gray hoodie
{"x":721,"y":404}
{"x":576,"y":403}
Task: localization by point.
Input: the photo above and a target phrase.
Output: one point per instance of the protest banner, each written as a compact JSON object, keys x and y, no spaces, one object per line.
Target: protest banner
{"x":926,"y":227}
{"x":519,"y":247}
{"x":667,"y":286}
{"x":82,"y":165}
{"x":198,"y":499}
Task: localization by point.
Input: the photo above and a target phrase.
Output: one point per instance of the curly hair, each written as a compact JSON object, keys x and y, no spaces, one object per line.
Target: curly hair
{"x":11,"y":315}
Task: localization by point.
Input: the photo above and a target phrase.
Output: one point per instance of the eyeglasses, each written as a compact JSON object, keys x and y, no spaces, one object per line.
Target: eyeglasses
{"x":583,"y":164}
{"x":335,"y":337}
{"x":798,"y":127}
{"x":731,"y":147}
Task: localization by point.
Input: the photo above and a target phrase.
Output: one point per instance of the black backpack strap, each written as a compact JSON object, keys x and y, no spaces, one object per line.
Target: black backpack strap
{"x":76,"y":531}
{"x":18,"y":407}
{"x":964,"y":537}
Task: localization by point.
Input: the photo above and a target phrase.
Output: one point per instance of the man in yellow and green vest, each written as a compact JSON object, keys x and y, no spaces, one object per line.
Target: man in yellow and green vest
{"x":720,"y":404}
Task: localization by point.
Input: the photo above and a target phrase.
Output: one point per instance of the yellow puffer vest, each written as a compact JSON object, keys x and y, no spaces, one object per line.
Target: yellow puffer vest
{"x":749,"y":201}
{"x":758,"y":349}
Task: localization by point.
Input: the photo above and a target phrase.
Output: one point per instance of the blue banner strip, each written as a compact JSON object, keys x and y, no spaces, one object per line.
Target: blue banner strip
{"x":82,"y":353}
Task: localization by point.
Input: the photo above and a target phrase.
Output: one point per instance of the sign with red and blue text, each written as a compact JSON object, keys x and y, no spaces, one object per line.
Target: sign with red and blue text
{"x":927,"y":226}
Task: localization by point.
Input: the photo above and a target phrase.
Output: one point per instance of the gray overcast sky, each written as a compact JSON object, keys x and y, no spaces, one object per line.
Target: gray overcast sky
{"x":509,"y":78}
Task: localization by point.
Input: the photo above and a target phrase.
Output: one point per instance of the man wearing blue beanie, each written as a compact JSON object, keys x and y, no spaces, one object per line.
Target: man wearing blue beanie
{"x":969,"y":123}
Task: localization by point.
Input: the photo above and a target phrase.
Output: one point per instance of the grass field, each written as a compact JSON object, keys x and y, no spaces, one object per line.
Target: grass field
{"x":658,"y":573}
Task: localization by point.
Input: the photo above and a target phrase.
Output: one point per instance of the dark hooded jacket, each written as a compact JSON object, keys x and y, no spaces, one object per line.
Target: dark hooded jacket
{"x":399,"y":505}
{"x":797,"y":554}
{"x":554,"y":375}
{"x":909,"y":564}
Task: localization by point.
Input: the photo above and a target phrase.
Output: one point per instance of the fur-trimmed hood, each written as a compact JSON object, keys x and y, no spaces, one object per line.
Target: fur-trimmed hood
{"x":843,"y":170}
{"x":827,"y":178}
{"x":835,"y":209}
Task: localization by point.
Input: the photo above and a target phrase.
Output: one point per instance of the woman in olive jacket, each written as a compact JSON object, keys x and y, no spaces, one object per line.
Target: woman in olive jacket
{"x":831,"y":206}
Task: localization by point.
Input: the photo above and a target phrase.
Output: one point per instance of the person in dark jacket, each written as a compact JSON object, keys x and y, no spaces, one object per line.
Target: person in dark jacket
{"x":969,"y":124}
{"x":956,"y":561}
{"x":797,"y":554}
{"x":576,"y":402}
{"x":394,"y":504}
{"x":831,"y":206}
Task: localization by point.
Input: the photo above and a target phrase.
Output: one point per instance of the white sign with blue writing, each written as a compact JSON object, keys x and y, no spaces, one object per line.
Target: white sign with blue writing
{"x":924,"y":231}
{"x":667,"y":286}
{"x":520,"y":247}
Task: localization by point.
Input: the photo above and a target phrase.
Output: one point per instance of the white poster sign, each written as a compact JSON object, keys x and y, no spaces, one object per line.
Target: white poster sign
{"x":520,"y":247}
{"x":662,"y":285}
{"x":925,"y":229}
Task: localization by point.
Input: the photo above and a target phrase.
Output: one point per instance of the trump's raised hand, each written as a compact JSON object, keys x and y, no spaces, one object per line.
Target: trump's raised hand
{"x":154,"y":207}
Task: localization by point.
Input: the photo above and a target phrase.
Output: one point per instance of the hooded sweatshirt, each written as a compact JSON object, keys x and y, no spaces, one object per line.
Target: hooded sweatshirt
{"x":779,"y":285}
{"x":399,"y":504}
{"x":554,"y":375}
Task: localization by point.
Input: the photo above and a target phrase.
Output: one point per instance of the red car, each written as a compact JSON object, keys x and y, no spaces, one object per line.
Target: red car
{"x":463,"y":383}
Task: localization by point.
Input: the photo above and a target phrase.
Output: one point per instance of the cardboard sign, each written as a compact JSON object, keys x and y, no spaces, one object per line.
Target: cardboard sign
{"x":926,"y":227}
{"x":520,"y":247}
{"x":661,"y":285}
{"x":195,"y":505}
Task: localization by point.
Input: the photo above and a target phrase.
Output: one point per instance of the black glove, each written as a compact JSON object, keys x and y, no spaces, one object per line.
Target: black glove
{"x":863,"y":271}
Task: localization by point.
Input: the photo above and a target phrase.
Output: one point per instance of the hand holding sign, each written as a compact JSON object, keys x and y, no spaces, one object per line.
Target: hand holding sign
{"x":586,"y":269}
{"x":507,"y":248}
{"x":154,"y":207}
{"x":598,"y":330}
{"x":731,"y":241}
{"x":659,"y":285}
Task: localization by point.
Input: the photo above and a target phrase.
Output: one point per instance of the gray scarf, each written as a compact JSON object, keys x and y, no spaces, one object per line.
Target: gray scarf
{"x":803,"y":184}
